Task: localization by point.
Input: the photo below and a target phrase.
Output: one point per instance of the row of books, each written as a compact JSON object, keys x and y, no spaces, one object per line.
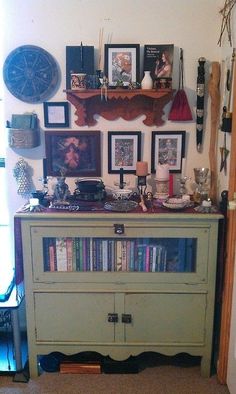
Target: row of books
{"x":99,"y":254}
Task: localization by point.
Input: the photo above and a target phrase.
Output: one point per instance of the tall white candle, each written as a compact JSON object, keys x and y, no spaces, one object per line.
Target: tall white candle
{"x":162,"y":171}
{"x":183,"y":171}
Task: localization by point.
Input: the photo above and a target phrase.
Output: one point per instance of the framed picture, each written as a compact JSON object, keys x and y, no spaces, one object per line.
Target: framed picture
{"x":124,"y":150}
{"x":168,"y":147}
{"x":122,"y":63}
{"x":56,"y":114}
{"x":77,"y":153}
{"x":159,"y":60}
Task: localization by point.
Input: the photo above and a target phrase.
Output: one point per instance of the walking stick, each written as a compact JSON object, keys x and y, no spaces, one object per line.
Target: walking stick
{"x":214,"y":92}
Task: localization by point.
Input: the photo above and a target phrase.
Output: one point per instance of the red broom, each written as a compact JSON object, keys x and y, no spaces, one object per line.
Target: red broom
{"x":180,"y":110}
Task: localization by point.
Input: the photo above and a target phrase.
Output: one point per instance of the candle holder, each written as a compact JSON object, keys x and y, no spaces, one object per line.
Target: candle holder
{"x":142,"y":184}
{"x":182,"y":181}
{"x":162,"y":189}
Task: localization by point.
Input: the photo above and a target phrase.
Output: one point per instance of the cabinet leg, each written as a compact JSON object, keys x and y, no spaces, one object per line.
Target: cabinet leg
{"x":205,"y":367}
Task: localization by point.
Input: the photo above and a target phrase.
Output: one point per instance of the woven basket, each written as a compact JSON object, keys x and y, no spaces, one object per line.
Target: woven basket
{"x":25,"y":139}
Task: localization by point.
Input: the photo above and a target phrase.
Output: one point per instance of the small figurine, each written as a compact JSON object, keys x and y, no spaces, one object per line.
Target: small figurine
{"x":61,"y":191}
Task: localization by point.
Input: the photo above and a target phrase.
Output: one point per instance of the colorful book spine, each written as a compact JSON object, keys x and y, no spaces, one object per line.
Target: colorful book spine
{"x":147,"y":258}
{"x":61,"y":254}
{"x":105,"y":255}
{"x":84,"y":254}
{"x":132,"y":256}
{"x":46,"y":257}
{"x":52,"y":255}
{"x":77,"y":253}
{"x":69,"y":254}
{"x":118,"y":256}
{"x":123,"y":255}
{"x":91,"y":254}
{"x":74,"y":255}
{"x":154,"y":258}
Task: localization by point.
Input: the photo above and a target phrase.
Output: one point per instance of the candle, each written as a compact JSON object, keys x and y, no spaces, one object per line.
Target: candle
{"x":162,"y":171}
{"x":44,"y":168}
{"x":142,"y":168}
{"x":183,"y":170}
{"x":121,"y":178}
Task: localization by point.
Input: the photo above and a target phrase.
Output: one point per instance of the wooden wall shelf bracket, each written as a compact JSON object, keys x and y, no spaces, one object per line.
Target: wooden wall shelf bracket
{"x":120,"y":103}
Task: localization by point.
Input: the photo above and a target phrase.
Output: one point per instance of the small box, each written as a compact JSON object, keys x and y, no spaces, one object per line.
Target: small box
{"x":80,"y":368}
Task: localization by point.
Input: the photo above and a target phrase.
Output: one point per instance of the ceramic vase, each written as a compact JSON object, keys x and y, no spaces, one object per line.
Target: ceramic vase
{"x":147,"y":82}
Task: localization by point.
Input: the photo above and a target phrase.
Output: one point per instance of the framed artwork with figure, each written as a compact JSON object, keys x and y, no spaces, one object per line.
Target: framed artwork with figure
{"x":122,"y":64}
{"x":168,"y":147}
{"x":76,"y":154}
{"x":124,"y":150}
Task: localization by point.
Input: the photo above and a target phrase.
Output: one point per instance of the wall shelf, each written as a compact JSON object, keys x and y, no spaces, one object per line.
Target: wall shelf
{"x":120,"y":103}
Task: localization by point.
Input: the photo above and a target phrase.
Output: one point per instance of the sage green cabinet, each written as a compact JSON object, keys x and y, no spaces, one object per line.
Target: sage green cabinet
{"x":121,"y":311}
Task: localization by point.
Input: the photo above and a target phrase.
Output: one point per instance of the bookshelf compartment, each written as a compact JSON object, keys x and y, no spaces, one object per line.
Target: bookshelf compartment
{"x":160,"y":251}
{"x":86,"y":254}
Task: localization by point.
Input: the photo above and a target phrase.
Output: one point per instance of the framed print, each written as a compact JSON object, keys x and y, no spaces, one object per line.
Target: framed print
{"x":56,"y":114}
{"x":76,"y":153}
{"x":168,"y":147}
{"x":124,"y":150}
{"x":158,"y":59}
{"x":122,"y":64}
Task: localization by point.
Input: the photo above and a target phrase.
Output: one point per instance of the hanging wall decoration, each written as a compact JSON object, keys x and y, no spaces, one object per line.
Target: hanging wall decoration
{"x":31,"y":74}
{"x":226,"y":13}
{"x":180,"y":109}
{"x":200,"y":102}
{"x":22,"y":172}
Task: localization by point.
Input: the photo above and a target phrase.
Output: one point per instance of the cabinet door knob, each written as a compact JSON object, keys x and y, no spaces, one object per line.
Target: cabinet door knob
{"x":112,"y":317}
{"x":119,"y":228}
{"x":126,"y":318}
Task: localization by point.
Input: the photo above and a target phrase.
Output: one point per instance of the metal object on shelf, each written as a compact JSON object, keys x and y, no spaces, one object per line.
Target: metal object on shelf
{"x":121,"y":205}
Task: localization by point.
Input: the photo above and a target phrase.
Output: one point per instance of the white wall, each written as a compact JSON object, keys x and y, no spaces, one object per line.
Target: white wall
{"x":190,"y":24}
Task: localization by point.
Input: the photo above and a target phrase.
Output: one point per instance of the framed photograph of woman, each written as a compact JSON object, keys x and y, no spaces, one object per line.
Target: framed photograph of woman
{"x":122,"y":64}
{"x":168,"y":147}
{"x":124,"y":150}
{"x":159,"y":60}
{"x":76,"y":154}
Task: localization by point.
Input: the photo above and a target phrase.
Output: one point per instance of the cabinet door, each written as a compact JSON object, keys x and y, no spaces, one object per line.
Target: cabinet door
{"x":173,"y":318}
{"x":141,"y":254}
{"x":78,"y":317}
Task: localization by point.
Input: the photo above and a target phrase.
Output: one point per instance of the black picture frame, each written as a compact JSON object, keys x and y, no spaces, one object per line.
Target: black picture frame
{"x":122,"y":64}
{"x":77,"y":153}
{"x":168,"y":147}
{"x":56,"y":114}
{"x":124,"y":150}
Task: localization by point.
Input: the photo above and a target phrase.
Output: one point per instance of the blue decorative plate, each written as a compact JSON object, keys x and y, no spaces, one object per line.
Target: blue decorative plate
{"x":31,"y":74}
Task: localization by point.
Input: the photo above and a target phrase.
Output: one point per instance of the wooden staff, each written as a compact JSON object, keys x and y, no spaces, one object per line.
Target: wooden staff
{"x":214,"y":92}
{"x":200,"y":102}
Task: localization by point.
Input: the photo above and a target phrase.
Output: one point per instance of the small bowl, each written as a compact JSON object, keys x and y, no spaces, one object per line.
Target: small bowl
{"x":121,"y":194}
{"x":175,"y":203}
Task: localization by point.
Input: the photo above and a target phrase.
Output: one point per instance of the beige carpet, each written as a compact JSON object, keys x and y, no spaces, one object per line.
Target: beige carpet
{"x":165,"y":379}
